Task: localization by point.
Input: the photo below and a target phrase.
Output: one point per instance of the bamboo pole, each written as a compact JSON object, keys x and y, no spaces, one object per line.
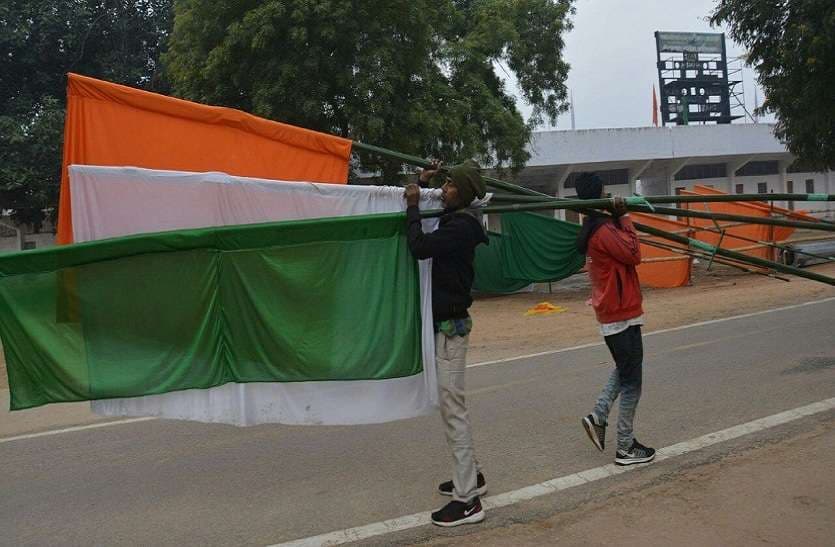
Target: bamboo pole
{"x":553,"y":204}
{"x":706,"y":198}
{"x":540,"y":206}
{"x":405,"y":158}
{"x":687,"y":253}
{"x":672,"y":211}
{"x":784,"y":245}
{"x":513,"y":188}
{"x":673,"y":237}
{"x":587,"y":204}
{"x":736,"y":256}
{"x":808,"y":239}
{"x":759,"y":243}
{"x":654,"y":259}
{"x":658,"y":233}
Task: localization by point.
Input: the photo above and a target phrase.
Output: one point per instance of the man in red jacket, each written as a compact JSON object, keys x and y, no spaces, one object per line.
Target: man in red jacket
{"x":612,"y":252}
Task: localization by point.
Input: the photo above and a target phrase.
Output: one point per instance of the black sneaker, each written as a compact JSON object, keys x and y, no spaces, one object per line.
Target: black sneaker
{"x":445,"y":488}
{"x":456,"y":513}
{"x":637,"y":454}
{"x":597,"y":433}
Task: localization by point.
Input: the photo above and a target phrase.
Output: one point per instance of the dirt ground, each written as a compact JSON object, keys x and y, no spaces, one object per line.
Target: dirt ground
{"x":501,"y":328}
{"x":721,"y":502}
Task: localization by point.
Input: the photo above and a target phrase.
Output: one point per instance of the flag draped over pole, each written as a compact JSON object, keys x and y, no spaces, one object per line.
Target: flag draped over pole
{"x":321,"y":319}
{"x":176,"y":303}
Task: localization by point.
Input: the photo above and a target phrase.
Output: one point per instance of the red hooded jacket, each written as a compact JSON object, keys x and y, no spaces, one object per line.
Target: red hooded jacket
{"x":613,"y":252}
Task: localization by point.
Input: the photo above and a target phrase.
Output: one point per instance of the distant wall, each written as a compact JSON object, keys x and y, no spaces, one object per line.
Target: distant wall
{"x":9,"y":244}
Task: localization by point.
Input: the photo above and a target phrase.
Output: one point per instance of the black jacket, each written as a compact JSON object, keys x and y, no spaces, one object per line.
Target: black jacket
{"x":452,"y":250}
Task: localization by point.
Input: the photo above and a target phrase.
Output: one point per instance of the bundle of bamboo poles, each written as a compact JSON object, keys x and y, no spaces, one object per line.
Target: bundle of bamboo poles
{"x":517,"y":199}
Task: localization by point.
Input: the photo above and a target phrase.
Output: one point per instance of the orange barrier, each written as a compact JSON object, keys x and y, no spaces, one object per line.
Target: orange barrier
{"x":110,"y":124}
{"x":797,"y":215}
{"x":749,"y":231}
{"x":661,"y":268}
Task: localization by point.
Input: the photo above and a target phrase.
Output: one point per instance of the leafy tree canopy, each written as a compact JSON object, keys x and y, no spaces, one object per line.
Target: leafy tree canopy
{"x":419,"y":76}
{"x":791,"y":44}
{"x":42,"y":40}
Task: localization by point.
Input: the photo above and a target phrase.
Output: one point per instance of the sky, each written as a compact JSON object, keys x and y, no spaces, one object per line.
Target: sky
{"x":611,"y":50}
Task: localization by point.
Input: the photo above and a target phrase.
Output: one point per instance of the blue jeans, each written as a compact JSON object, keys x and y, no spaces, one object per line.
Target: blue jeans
{"x":627,"y":350}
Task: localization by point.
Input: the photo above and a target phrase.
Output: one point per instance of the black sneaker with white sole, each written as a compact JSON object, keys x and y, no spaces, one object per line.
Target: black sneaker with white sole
{"x":456,"y":513}
{"x":638,"y":453}
{"x":597,"y":433}
{"x":445,"y":488}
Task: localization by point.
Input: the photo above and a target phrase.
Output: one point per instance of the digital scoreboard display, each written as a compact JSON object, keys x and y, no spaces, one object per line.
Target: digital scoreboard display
{"x":693,"y":78}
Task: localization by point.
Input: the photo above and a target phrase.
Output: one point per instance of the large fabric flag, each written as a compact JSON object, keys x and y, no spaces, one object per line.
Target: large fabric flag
{"x":313,"y":322}
{"x":110,"y":124}
{"x":532,"y":248}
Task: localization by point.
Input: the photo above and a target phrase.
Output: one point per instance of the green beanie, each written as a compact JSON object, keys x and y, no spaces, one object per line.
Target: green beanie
{"x":467,"y":178}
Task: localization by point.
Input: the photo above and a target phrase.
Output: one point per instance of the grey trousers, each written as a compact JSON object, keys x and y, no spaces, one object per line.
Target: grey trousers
{"x":450,"y":359}
{"x":625,"y":381}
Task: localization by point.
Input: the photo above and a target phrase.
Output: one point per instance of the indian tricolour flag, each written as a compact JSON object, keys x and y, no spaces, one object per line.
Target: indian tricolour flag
{"x":242,"y":298}
{"x":208,"y":297}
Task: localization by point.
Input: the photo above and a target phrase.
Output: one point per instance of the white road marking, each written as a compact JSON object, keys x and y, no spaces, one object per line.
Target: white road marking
{"x":569,"y":481}
{"x":75,"y":428}
{"x":653,"y":333}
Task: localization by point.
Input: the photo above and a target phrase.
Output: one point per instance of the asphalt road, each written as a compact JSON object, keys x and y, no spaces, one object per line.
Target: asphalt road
{"x":178,"y":483}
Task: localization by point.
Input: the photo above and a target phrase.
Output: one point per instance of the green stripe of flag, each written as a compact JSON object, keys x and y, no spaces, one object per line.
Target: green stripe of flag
{"x":329,"y":299}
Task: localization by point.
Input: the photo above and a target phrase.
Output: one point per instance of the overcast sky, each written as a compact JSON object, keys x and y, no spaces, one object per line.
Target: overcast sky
{"x":612,"y":55}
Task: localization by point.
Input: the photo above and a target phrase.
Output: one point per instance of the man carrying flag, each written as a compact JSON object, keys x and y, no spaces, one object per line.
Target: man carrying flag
{"x":452,"y":250}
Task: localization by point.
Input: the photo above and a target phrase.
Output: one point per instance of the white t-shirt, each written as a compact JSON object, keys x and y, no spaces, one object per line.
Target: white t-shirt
{"x":608,"y":329}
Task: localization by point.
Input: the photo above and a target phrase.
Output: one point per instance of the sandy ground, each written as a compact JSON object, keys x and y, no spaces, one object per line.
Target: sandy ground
{"x":778,"y":493}
{"x":501,"y":328}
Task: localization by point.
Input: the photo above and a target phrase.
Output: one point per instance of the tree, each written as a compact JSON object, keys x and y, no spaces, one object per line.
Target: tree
{"x":791,"y":44}
{"x":417,"y":76}
{"x":40,"y":41}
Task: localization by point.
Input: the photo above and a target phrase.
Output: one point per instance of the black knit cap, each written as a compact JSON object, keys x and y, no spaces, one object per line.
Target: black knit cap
{"x":589,"y":186}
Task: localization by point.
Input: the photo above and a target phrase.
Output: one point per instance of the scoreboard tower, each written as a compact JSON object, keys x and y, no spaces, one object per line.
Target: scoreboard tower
{"x":693,"y":78}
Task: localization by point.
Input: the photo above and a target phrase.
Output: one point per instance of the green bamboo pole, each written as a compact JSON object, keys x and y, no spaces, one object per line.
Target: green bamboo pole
{"x":421,"y":162}
{"x":714,"y":230}
{"x":544,"y":204}
{"x":733,"y":218}
{"x":607,"y":202}
{"x":577,"y":204}
{"x":405,"y":158}
{"x":516,"y":189}
{"x":515,"y":198}
{"x":703,"y":256}
{"x":739,"y":257}
{"x":539,"y":206}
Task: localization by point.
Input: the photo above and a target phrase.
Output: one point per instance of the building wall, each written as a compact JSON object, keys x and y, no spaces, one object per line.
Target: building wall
{"x":10,"y":244}
{"x":562,"y":147}
{"x":656,"y":161}
{"x":750,"y":185}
